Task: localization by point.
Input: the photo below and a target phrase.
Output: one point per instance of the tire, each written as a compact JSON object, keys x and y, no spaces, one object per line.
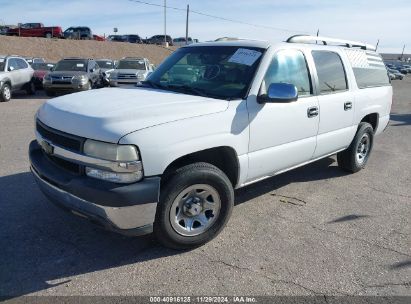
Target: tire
{"x":355,"y":157}
{"x":5,"y":93}
{"x":48,"y":35}
{"x":197,"y":187}
{"x":31,"y":88}
{"x":50,"y":93}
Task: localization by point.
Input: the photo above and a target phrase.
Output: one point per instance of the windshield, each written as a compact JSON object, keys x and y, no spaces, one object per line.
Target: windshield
{"x":223,"y":72}
{"x":71,"y":65}
{"x":132,"y":64}
{"x":105,"y":64}
{"x":42,"y":66}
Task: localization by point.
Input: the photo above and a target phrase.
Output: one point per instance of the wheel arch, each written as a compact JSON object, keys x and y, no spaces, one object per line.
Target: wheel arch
{"x":223,"y":157}
{"x":372,"y":119}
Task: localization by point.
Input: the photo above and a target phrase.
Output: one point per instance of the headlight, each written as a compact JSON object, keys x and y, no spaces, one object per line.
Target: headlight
{"x":128,"y":168}
{"x":80,"y":78}
{"x":140,"y":76}
{"x":111,"y":152}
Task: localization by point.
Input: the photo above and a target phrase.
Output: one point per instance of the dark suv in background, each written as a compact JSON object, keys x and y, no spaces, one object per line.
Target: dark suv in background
{"x":159,"y":39}
{"x":72,"y":75}
{"x":78,"y":32}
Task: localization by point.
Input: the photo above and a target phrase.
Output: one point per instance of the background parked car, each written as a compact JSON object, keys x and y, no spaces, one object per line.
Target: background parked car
{"x":159,"y":39}
{"x":78,"y":32}
{"x":15,"y":74}
{"x":130,"y":70}
{"x":182,"y":41}
{"x":132,"y":38}
{"x":115,"y":38}
{"x":396,"y":74}
{"x":40,"y":70}
{"x":106,"y":67}
{"x":72,"y":75}
{"x":36,"y":30}
{"x":98,"y":38}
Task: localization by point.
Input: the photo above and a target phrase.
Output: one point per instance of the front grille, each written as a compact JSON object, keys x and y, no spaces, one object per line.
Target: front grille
{"x":61,"y":79}
{"x":127,"y":76}
{"x":64,"y":140}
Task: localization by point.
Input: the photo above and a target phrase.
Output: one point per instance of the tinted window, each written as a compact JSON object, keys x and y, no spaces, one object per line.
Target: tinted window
{"x":22,"y":64}
{"x":132,"y":64}
{"x":369,"y":69}
{"x":330,"y":71}
{"x":71,"y":65}
{"x":288,"y":66}
{"x":13,"y":64}
{"x":105,"y":64}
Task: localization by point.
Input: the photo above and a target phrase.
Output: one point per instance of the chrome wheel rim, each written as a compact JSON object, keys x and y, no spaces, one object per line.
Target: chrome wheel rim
{"x":195,"y":210}
{"x":363,"y":148}
{"x":7,"y":93}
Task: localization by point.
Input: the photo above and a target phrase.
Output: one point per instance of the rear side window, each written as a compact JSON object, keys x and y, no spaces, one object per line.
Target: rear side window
{"x":22,"y":64}
{"x":330,"y":71}
{"x":369,"y":69}
{"x":288,"y":66}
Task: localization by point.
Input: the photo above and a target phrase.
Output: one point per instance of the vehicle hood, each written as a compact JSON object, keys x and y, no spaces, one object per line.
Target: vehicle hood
{"x":67,"y":73}
{"x":110,"y":113}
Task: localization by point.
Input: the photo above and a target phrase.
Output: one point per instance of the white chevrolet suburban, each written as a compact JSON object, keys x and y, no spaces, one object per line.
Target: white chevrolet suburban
{"x":167,"y":156}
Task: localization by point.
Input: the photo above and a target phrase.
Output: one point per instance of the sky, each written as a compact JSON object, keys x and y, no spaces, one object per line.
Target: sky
{"x":361,"y":20}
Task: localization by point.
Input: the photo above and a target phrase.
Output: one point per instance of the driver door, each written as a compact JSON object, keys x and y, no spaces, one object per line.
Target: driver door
{"x":283,"y":134}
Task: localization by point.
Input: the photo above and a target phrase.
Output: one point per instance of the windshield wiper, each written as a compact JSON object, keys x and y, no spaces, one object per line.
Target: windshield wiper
{"x":193,"y":90}
{"x":152,"y":85}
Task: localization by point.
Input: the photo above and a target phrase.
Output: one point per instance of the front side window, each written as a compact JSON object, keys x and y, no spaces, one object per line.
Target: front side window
{"x":330,"y":71}
{"x":105,"y":64}
{"x":223,"y":72}
{"x":12,"y":63}
{"x":22,"y":64}
{"x":288,"y":66}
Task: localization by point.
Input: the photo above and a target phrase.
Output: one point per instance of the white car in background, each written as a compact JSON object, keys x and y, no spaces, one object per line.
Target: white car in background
{"x":130,"y":70}
{"x":182,"y":41}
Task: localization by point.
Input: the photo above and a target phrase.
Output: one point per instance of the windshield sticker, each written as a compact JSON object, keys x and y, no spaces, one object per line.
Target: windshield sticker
{"x":80,"y":65}
{"x":50,"y":65}
{"x":108,"y":63}
{"x":1,"y":60}
{"x":245,"y":56}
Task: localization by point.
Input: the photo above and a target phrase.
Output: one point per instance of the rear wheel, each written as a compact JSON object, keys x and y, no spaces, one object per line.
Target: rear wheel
{"x":48,"y":35}
{"x":5,"y":93}
{"x":356,"y":156}
{"x":194,"y":206}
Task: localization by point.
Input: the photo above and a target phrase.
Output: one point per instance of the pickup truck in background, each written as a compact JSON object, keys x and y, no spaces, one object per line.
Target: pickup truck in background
{"x":36,"y":30}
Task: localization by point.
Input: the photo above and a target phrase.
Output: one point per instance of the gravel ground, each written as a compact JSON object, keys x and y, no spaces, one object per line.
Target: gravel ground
{"x":311,"y":231}
{"x":56,"y":49}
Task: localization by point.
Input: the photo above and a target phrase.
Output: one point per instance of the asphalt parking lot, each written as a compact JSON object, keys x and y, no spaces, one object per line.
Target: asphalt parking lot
{"x":311,"y":231}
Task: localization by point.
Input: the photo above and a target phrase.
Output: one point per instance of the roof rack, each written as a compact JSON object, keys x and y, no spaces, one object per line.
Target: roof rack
{"x":326,"y":41}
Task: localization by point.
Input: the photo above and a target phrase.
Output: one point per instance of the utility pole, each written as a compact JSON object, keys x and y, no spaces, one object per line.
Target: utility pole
{"x":188,"y":9}
{"x":165,"y":22}
{"x":402,"y":54}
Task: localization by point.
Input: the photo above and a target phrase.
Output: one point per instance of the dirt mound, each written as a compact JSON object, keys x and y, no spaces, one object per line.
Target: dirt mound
{"x":56,"y":49}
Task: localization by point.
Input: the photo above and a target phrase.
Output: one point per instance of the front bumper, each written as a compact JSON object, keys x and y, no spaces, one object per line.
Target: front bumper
{"x":65,"y":87}
{"x":127,"y":209}
{"x":117,"y":82}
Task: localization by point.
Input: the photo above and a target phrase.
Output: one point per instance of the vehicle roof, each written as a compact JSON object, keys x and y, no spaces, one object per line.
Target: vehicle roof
{"x":103,"y":59}
{"x":266,"y":44}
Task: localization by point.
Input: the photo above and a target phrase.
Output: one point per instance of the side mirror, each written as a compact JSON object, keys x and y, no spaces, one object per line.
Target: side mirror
{"x":279,"y":92}
{"x":92,"y":70}
{"x":10,"y":69}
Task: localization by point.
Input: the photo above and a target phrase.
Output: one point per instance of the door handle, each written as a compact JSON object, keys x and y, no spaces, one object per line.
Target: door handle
{"x":347,"y":105}
{"x":312,"y":112}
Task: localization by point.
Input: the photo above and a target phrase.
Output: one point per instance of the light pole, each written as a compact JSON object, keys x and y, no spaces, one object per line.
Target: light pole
{"x":165,"y":22}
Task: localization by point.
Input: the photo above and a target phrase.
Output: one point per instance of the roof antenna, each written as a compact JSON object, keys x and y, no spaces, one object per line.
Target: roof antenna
{"x":376,"y":46}
{"x":318,"y":33}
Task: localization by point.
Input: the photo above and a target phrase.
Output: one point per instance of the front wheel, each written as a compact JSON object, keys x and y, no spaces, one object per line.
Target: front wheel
{"x":356,"y":156}
{"x":194,"y":206}
{"x":5,"y":93}
{"x":31,"y":88}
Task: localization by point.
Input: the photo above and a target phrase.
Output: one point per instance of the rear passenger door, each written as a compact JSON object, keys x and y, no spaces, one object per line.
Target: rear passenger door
{"x":336,"y":103}
{"x":14,"y":73}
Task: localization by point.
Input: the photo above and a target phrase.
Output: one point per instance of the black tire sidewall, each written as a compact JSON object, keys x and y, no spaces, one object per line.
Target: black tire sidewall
{"x":2,"y":96}
{"x":186,"y":177}
{"x":363,"y":128}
